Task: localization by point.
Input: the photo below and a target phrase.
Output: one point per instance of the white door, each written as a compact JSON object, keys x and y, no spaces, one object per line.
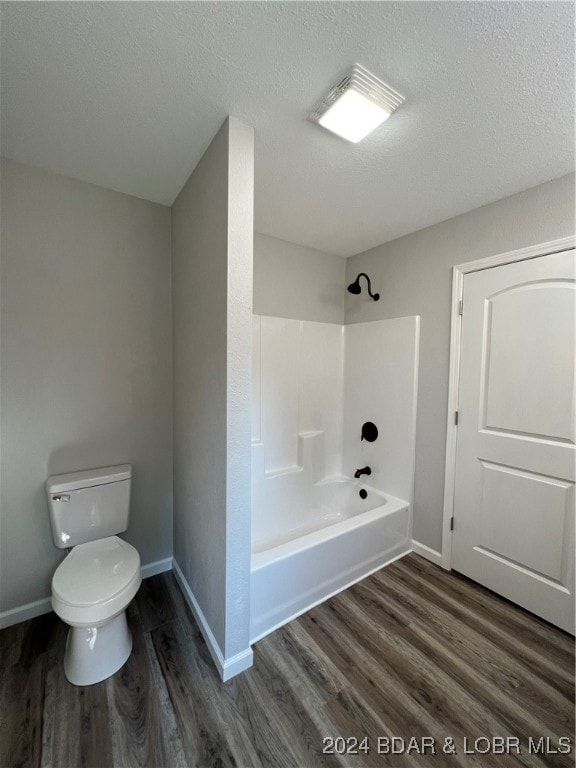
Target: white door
{"x":515,"y":461}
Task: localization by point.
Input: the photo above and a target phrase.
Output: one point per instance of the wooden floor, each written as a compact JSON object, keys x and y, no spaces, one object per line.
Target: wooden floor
{"x":410,"y":652}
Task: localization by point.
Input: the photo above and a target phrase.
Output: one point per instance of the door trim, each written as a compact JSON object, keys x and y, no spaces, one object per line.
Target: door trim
{"x":458,"y":272}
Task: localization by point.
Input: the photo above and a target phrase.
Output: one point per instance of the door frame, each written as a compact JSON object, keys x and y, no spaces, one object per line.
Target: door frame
{"x":458,"y":273}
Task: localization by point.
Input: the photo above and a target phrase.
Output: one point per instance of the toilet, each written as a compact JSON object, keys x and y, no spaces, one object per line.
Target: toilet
{"x":95,"y":583}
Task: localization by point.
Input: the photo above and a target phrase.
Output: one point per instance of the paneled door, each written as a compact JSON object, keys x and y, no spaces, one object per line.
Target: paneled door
{"x":515,"y":460}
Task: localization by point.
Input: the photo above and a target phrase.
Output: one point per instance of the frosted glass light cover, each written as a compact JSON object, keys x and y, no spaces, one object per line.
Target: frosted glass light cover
{"x":357,"y":105}
{"x":353,"y":116}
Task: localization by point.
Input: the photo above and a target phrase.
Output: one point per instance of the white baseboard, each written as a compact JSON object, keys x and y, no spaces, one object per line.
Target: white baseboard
{"x":25,"y":612}
{"x":227,"y":668}
{"x":427,"y":552}
{"x":38,"y":607}
{"x":159,"y":566}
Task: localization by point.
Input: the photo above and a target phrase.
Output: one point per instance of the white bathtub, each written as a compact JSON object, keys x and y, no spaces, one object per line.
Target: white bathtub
{"x":339,"y":540}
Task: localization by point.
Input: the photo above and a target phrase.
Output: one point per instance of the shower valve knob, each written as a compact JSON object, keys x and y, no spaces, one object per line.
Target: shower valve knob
{"x":369,"y":431}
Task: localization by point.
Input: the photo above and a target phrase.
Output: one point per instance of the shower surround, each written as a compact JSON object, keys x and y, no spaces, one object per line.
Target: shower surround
{"x":313,"y":387}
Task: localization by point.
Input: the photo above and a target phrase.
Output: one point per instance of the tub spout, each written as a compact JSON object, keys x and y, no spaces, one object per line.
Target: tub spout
{"x":363,"y":471}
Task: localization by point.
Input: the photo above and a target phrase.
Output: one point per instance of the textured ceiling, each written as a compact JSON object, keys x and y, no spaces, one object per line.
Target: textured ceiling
{"x":128,"y":95}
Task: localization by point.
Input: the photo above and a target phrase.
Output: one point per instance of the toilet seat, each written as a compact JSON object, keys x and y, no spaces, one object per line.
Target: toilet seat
{"x":96,"y":581}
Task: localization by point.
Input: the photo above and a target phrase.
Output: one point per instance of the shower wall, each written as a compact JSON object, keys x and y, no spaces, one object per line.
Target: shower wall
{"x":313,"y":386}
{"x":380,"y":385}
{"x":297,"y":405}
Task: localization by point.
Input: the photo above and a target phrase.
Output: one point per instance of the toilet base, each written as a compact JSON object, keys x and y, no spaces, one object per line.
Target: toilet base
{"x":95,"y":653}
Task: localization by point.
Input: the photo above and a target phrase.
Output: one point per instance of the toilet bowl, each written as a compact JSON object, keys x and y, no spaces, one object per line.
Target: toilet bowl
{"x":96,"y":581}
{"x":91,"y":590}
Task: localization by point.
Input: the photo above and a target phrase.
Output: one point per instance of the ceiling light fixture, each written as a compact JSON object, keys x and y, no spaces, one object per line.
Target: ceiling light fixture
{"x":357,"y":105}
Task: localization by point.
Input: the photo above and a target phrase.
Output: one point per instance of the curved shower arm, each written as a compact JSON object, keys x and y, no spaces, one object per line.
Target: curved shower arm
{"x":355,"y":286}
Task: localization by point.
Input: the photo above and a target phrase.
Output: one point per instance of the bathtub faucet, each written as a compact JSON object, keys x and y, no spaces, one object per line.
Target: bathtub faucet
{"x":363,"y":471}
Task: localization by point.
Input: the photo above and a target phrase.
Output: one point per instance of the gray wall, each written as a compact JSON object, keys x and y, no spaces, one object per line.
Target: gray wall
{"x":297,"y":282}
{"x":212,"y":230}
{"x":413,"y":276}
{"x":86,"y":362}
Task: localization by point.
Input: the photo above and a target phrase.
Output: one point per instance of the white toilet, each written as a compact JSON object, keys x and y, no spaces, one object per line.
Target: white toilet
{"x":93,"y":586}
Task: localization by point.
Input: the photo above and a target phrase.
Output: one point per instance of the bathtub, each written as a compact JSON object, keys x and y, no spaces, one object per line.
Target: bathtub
{"x":340,"y":539}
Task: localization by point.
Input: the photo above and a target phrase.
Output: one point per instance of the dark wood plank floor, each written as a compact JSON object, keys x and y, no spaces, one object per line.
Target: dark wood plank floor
{"x":410,"y":652}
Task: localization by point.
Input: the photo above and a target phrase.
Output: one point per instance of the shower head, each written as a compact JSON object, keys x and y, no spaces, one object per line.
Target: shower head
{"x":356,"y":289}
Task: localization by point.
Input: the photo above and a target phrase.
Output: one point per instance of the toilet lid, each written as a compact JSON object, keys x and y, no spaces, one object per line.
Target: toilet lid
{"x":96,"y":571}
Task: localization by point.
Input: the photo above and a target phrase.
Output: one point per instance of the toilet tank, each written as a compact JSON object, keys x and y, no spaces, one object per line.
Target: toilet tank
{"x":89,"y":505}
